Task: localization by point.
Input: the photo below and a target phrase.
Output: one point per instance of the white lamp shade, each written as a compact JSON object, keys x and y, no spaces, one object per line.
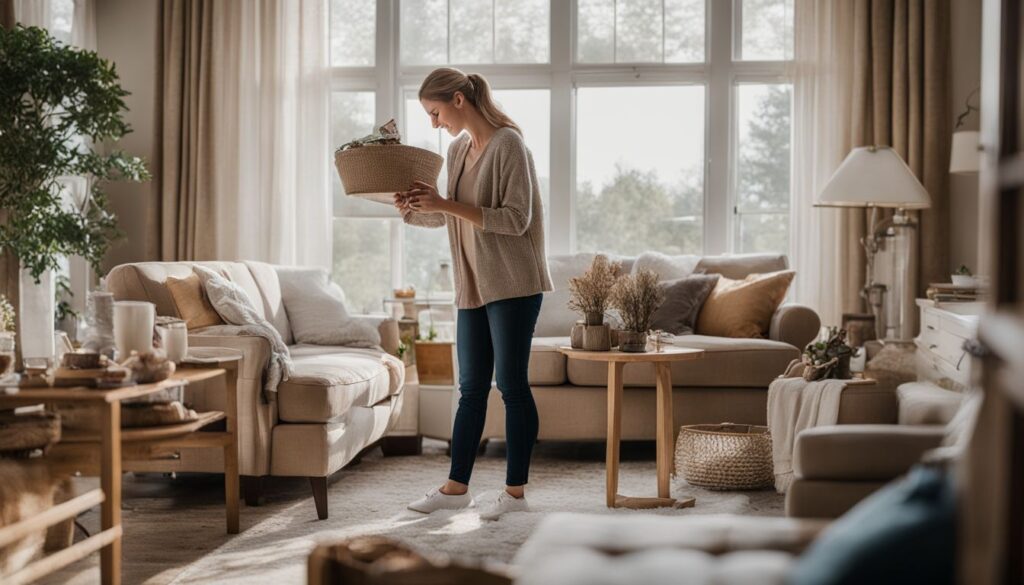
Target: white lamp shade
{"x":874,"y":176}
{"x":965,"y":156}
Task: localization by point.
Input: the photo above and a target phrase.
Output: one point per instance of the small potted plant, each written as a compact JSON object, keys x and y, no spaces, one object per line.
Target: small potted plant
{"x":636,"y":297}
{"x":963,"y":277}
{"x":589,"y":295}
{"x":829,"y":358}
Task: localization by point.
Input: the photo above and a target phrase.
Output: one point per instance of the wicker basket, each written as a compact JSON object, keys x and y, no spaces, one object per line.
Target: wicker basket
{"x":377,"y":172}
{"x":725,"y":456}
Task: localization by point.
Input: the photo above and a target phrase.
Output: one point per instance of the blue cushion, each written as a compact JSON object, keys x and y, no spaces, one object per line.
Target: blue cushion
{"x":903,"y":533}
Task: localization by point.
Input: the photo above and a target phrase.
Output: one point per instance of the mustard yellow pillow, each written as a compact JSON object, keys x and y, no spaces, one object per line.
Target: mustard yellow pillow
{"x":743,"y":308}
{"x":191,"y":302}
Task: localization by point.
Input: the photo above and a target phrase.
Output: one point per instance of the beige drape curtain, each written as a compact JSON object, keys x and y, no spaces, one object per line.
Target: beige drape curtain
{"x":188,"y":158}
{"x":897,"y":60}
{"x":6,"y":13}
{"x":244,"y":127}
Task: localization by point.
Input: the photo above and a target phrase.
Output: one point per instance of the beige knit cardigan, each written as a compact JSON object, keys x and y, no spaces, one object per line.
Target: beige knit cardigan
{"x":510,"y":257}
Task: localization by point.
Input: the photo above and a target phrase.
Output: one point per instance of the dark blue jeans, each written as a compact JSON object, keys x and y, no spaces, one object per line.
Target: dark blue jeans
{"x":496,"y":336}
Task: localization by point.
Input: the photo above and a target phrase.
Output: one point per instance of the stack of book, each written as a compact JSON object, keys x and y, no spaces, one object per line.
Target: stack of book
{"x":944,"y":292}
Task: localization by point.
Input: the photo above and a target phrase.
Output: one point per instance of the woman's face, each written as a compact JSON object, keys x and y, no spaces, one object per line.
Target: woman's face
{"x":447,"y":115}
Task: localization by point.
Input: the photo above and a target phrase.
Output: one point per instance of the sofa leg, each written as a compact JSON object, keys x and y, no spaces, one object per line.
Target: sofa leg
{"x":399,"y":446}
{"x":252,"y":489}
{"x":482,"y":448}
{"x":319,"y":485}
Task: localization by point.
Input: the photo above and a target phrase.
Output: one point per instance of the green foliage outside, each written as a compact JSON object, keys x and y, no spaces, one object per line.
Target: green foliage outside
{"x":57,"y":103}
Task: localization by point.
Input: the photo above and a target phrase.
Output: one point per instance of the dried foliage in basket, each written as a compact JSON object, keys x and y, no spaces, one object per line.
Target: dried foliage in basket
{"x":636,"y":297}
{"x":589,"y":293}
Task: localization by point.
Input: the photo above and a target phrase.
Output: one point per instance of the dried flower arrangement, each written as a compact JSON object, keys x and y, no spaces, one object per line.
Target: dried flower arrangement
{"x":636,"y":297}
{"x":589,"y":294}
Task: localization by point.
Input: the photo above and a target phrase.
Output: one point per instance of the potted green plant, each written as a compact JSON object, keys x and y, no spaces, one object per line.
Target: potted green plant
{"x":589,"y":296}
{"x":636,"y":297}
{"x":963,"y":277}
{"x":61,"y":112}
{"x":828,"y":358}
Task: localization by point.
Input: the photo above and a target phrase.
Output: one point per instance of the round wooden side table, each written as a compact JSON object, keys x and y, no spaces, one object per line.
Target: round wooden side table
{"x":661,"y":360}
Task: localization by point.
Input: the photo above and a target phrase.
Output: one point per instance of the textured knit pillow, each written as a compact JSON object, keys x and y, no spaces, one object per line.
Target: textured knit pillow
{"x":316,"y":310}
{"x":743,"y":308}
{"x":683,"y":299}
{"x":191,"y":301}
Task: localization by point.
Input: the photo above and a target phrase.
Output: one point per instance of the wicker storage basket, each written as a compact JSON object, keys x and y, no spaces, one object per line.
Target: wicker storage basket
{"x":725,"y":456}
{"x":379,"y":171}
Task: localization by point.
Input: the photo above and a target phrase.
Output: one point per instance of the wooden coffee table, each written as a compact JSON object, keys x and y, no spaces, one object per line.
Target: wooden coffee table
{"x":661,"y":361}
{"x":110,"y":450}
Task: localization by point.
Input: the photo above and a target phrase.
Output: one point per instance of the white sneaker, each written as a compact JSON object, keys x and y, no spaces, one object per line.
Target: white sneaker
{"x":436,"y":500}
{"x":494,"y":507}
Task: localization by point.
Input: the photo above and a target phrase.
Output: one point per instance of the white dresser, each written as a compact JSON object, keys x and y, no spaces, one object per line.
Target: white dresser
{"x":945,"y":327}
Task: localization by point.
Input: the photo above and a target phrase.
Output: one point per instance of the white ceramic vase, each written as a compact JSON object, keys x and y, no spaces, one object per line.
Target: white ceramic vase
{"x":133,"y":327}
{"x":36,"y":306}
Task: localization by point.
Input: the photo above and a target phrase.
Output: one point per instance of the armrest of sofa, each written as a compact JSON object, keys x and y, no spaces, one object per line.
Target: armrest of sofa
{"x":388,"y":329}
{"x":255,"y":351}
{"x":794,"y":324}
{"x":862,"y":452}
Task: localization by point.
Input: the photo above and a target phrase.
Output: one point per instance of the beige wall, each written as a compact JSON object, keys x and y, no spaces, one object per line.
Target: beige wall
{"x":965,"y":73}
{"x":127,"y":35}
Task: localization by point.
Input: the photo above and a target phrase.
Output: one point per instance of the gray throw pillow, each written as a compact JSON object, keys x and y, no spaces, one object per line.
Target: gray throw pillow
{"x":683,"y":299}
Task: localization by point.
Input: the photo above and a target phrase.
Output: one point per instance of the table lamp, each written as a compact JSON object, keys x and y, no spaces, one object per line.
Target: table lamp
{"x":873,"y":177}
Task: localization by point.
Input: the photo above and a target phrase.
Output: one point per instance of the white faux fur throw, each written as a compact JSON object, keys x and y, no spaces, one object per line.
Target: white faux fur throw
{"x":234,"y":306}
{"x":795,"y":404}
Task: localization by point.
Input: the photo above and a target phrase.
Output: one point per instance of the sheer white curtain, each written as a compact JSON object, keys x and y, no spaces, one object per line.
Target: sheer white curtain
{"x":820,"y":106}
{"x":272,"y":110}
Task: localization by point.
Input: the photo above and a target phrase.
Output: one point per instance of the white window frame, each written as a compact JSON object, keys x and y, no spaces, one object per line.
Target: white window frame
{"x":719,"y":74}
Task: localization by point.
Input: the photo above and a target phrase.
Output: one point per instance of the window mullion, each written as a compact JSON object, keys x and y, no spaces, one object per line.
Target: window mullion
{"x":563,"y":160}
{"x":719,"y":144}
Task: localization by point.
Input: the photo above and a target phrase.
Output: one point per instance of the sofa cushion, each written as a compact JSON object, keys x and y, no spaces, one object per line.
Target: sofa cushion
{"x":329,"y":380}
{"x":665,"y":266}
{"x":273,"y":305}
{"x":547,"y":364}
{"x":904,"y":533}
{"x":880,"y":452}
{"x":146,"y":281}
{"x":316,"y":310}
{"x":924,"y":403}
{"x":684,"y":298}
{"x":726,"y":362}
{"x":739,"y":266}
{"x":191,"y":302}
{"x":644,"y":548}
{"x":744,"y":308}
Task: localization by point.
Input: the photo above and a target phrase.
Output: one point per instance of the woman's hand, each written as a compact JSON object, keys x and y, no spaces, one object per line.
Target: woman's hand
{"x":402,"y":201}
{"x":423,"y":198}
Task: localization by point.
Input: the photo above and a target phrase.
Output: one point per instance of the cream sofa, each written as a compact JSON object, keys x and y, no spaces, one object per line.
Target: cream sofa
{"x":729,"y":384}
{"x":339,"y":401}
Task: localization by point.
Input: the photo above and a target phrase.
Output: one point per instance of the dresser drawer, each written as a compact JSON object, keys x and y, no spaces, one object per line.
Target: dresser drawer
{"x":930,"y":320}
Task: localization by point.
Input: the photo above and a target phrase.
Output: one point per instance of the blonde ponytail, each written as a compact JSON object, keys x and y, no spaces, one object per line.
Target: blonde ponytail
{"x":442,"y":84}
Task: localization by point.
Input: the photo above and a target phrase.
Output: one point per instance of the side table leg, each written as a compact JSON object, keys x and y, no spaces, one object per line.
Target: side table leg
{"x":614,"y":430}
{"x":110,"y":481}
{"x":231,"y":487}
{"x":665,"y":422}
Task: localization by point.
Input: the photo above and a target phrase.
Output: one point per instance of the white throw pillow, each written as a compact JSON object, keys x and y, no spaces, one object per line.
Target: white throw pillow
{"x":665,"y":266}
{"x":316,"y":310}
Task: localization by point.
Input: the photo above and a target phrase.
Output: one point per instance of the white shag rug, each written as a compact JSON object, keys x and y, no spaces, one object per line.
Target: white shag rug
{"x":174,"y":529}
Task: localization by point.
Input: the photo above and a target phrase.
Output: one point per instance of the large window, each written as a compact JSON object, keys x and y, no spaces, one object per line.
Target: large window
{"x":654,"y":124}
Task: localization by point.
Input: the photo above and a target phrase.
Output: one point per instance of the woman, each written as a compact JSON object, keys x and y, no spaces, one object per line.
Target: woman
{"x":496,"y":232}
